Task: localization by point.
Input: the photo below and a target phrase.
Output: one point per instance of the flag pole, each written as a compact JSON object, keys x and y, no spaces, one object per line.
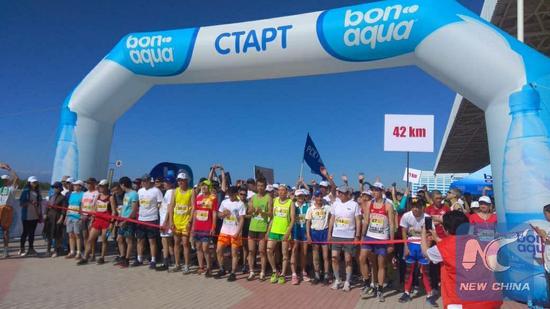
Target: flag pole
{"x":302,"y":170}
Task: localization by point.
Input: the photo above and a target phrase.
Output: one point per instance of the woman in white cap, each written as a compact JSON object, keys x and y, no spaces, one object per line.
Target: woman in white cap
{"x":31,"y":214}
{"x":101,"y":223}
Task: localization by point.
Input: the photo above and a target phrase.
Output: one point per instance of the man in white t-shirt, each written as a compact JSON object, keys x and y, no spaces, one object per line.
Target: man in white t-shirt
{"x":344,"y":226}
{"x":166,"y":235}
{"x":232,"y":211}
{"x":8,"y":185}
{"x":150,"y":200}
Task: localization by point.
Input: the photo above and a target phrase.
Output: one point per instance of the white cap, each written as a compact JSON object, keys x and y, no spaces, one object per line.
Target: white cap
{"x":182,"y":176}
{"x":275,"y":186}
{"x":324,"y":183}
{"x":103,"y":182}
{"x":378,"y":185}
{"x":269,"y":188}
{"x":306,"y":192}
{"x":485,"y":199}
{"x":4,"y":177}
{"x":475,"y":204}
{"x":78,"y":182}
{"x":299,"y":192}
{"x":367,"y":192}
{"x":293,"y":188}
{"x":32,"y":179}
{"x":70,"y":180}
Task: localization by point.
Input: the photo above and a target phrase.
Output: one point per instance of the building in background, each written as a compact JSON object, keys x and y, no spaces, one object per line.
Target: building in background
{"x":440,"y":182}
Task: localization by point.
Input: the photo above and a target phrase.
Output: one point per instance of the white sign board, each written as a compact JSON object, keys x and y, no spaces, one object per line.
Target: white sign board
{"x":414,"y":133}
{"x":414,"y":175}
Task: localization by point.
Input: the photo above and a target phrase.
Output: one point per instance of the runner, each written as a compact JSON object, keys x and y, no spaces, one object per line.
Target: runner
{"x":299,"y":236}
{"x":412,"y":224}
{"x":166,"y":232}
{"x":204,"y":225}
{"x":31,"y":214}
{"x":88,"y":204}
{"x":53,"y":225}
{"x":117,"y":198}
{"x":150,"y":199}
{"x":73,"y":222}
{"x":378,"y":222}
{"x":100,"y":223}
{"x":125,"y":237}
{"x":483,"y":222}
{"x":180,"y":214}
{"x":260,"y":208}
{"x":7,"y":202}
{"x":317,"y":218}
{"x":232,"y":211}
{"x":344,"y":227}
{"x":279,"y":231}
{"x":436,"y":210}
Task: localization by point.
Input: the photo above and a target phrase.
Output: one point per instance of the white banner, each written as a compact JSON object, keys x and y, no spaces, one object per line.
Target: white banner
{"x":414,"y":133}
{"x":414,"y":175}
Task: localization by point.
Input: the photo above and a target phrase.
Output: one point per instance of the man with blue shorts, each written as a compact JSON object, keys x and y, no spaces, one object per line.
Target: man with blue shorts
{"x":412,"y":223}
{"x":317,"y":218}
{"x":126,"y":229}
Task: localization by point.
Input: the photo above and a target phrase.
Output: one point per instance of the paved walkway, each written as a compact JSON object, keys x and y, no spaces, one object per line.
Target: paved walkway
{"x":42,"y":282}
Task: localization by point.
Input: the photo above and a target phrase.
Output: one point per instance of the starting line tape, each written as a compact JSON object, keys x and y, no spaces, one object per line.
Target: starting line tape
{"x":108,"y":217}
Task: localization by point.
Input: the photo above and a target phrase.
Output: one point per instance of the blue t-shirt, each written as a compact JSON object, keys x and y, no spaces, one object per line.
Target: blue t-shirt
{"x":75,"y":202}
{"x":129,"y":199}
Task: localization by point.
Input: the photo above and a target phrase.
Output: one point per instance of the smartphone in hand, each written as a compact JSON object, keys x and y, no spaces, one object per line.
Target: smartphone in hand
{"x":428,"y":223}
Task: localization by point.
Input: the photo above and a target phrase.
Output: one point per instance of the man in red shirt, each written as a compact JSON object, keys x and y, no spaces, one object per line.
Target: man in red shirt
{"x":445,"y":252}
{"x":436,"y":210}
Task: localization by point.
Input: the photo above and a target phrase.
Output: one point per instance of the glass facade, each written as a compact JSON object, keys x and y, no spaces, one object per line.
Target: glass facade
{"x":440,"y":182}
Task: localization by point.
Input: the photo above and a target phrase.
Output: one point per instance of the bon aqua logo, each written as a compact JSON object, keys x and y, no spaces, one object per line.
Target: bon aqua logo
{"x":163,"y":53}
{"x":366,"y":32}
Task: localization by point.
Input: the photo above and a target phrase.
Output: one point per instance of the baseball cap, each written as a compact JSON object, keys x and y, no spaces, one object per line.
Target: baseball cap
{"x":70,"y":180}
{"x":269,"y":188}
{"x":4,"y":177}
{"x":91,"y":180}
{"x":57,"y":185}
{"x":485,"y":199}
{"x":169,"y":179}
{"x":378,"y":185}
{"x":475,"y":204}
{"x":275,"y":186}
{"x":103,"y":182}
{"x":206,"y":182}
{"x":317,"y":193}
{"x":324,"y":183}
{"x":367,"y":192}
{"x":32,"y":179}
{"x":344,"y":189}
{"x":78,"y":182}
{"x":182,"y":176}
{"x":299,"y":192}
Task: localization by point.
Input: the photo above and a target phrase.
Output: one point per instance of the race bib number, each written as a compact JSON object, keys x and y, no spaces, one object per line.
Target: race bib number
{"x":377,"y":223}
{"x":181,"y":210}
{"x":101,"y":207}
{"x":201,"y":215}
{"x":73,"y":209}
{"x":301,"y":219}
{"x":342,"y":223}
{"x":281,"y":212}
{"x":231,"y":220}
{"x":319,"y":214}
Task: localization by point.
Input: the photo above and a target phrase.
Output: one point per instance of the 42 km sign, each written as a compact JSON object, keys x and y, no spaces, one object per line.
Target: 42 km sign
{"x":409,"y":133}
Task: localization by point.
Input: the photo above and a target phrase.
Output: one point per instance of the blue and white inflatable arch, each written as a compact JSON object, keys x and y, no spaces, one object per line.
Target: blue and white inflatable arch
{"x":502,"y":76}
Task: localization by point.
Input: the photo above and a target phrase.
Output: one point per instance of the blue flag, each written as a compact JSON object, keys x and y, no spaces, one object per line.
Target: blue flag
{"x":312,"y":157}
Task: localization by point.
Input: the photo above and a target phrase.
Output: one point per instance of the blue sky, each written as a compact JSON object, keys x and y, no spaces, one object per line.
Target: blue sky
{"x":48,"y":48}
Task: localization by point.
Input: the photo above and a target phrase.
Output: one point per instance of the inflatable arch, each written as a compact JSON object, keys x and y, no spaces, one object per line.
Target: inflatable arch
{"x":505,"y":78}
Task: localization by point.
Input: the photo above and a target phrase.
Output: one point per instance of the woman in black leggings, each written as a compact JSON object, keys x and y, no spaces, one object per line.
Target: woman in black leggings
{"x":31,"y":214}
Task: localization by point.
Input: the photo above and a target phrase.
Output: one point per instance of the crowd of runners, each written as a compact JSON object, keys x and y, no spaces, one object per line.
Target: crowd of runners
{"x":318,"y":233}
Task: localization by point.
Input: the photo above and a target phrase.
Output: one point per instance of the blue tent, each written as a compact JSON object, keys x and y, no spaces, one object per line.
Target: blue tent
{"x":475,"y":183}
{"x":165,"y":169}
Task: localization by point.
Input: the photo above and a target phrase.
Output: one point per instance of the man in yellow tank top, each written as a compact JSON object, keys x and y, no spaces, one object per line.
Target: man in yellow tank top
{"x":181,"y":212}
{"x":279,"y":230}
